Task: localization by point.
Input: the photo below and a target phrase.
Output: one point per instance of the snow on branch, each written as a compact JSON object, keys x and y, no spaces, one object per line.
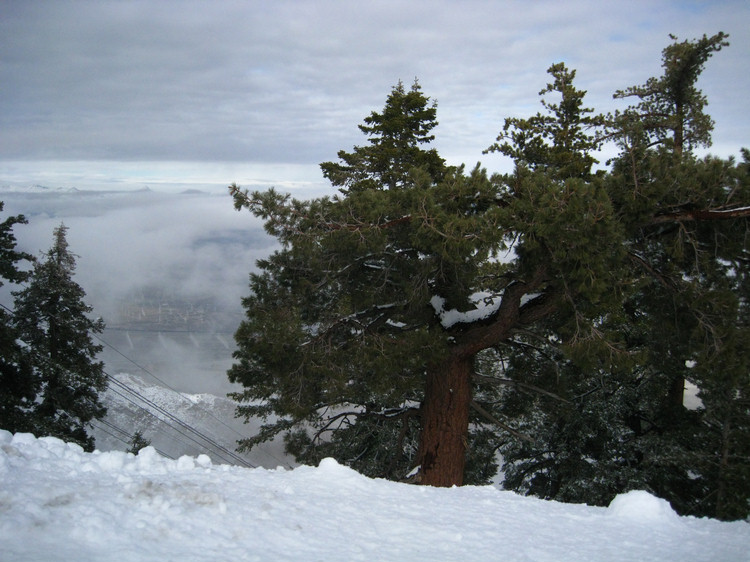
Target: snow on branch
{"x":485,"y":305}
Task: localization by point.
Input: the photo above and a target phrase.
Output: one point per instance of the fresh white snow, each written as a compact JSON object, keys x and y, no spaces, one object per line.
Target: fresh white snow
{"x":485,"y":305}
{"x":59,"y":503}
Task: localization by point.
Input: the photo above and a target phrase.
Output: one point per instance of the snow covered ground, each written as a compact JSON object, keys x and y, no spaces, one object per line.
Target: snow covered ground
{"x":59,"y":503}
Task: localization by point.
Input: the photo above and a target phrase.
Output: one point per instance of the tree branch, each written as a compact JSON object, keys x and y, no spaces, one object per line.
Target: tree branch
{"x":511,"y":314}
{"x":484,"y":413}
{"x":524,"y":385}
{"x":702,"y":215}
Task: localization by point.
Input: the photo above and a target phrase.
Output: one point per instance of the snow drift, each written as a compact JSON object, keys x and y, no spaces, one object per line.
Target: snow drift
{"x":59,"y":503}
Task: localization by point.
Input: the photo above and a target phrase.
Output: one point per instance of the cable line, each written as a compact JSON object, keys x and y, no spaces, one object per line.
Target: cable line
{"x":166,"y":331}
{"x":182,"y":424}
{"x":219,"y":449}
{"x":142,"y":368}
{"x":202,"y":447}
{"x":110,"y":378}
{"x":115,"y":428}
{"x":182,"y":396}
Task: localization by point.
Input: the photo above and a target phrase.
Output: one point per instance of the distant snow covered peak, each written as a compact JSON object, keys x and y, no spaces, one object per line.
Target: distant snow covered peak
{"x":59,"y":503}
{"x":179,"y":424}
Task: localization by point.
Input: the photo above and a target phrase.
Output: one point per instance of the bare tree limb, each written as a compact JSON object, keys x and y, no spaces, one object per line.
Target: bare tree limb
{"x":524,"y":385}
{"x":493,"y":419}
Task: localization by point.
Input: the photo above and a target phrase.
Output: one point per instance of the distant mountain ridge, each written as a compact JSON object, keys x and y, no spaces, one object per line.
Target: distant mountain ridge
{"x":36,"y":188}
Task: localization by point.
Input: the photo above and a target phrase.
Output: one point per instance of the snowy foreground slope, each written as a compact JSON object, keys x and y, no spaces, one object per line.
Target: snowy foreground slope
{"x":59,"y":503}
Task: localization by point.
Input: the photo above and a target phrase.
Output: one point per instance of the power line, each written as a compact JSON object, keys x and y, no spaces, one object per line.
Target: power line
{"x":167,"y":386}
{"x":182,"y":396}
{"x":186,"y":426}
{"x":126,"y":434}
{"x":166,"y":331}
{"x":167,"y":414}
{"x":157,"y":418}
{"x":183,"y":424}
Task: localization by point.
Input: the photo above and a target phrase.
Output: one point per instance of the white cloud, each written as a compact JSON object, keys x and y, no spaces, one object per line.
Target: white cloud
{"x":285,"y":82}
{"x":192,"y":245}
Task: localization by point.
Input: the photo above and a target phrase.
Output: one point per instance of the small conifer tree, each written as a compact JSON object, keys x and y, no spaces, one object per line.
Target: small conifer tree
{"x":52,"y":320}
{"x":138,"y":442}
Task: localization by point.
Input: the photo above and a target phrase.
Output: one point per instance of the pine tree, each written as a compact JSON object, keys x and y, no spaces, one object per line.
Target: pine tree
{"x":18,"y":383}
{"x":372,"y":334}
{"x":380,"y":301}
{"x":51,"y":319}
{"x":670,"y":111}
{"x":395,"y":137}
{"x":623,"y":425}
{"x":138,"y":442}
{"x":558,"y":142}
{"x":692,"y":260}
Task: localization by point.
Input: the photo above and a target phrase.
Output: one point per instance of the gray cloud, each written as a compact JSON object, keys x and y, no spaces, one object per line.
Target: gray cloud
{"x":193,"y":95}
{"x":141,"y":249}
{"x":287,"y":82}
{"x":189,"y":245}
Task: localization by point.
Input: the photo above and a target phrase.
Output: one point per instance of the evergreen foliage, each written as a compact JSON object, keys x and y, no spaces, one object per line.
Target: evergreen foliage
{"x":18,"y":383}
{"x":138,"y":442}
{"x":624,"y":425}
{"x":431,"y":316}
{"x":346,"y":322}
{"x":558,"y":142}
{"x":670,"y":110}
{"x":345,"y":306}
{"x":51,"y":319}
{"x":395,"y":137}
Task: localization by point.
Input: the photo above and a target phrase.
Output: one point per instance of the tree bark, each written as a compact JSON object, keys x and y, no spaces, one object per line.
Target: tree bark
{"x":448,"y":386}
{"x":727,"y":213}
{"x":676,"y":393}
{"x":445,"y":422}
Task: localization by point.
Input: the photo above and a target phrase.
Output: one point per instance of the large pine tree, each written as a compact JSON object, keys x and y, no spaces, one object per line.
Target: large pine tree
{"x":368,"y":336}
{"x":380,"y":300}
{"x":51,"y":318}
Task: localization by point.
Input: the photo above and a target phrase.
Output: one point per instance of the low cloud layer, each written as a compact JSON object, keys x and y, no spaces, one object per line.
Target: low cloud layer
{"x":191,"y":245}
{"x":142,"y":250}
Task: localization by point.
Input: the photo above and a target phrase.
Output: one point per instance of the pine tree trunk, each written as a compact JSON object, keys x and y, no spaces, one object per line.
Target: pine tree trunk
{"x":445,"y":422}
{"x":676,"y":393}
{"x":679,"y":131}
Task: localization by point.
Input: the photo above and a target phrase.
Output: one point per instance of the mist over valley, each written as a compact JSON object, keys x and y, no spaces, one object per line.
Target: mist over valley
{"x":167,"y":272}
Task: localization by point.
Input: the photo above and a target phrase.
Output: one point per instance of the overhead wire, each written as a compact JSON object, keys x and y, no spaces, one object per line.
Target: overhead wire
{"x":163,"y":383}
{"x":182,"y":396}
{"x":182,"y":424}
{"x":211,"y":442}
{"x":126,"y":434}
{"x":201,"y":446}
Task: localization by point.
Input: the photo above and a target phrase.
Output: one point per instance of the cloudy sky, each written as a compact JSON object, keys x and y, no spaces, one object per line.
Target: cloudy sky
{"x":109,"y":97}
{"x":101,"y":92}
